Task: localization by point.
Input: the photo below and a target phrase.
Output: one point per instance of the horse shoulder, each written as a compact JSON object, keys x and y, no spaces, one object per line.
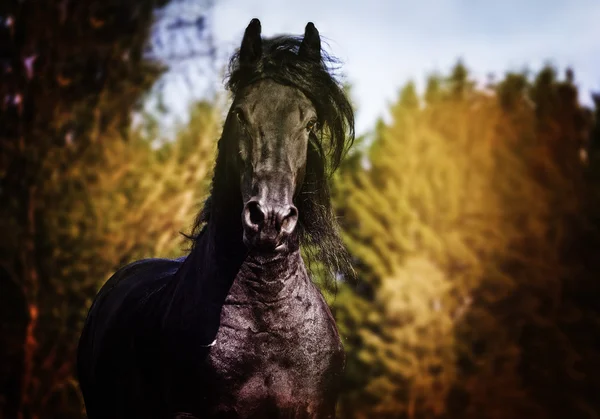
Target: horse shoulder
{"x":115,"y":322}
{"x":121,"y":296}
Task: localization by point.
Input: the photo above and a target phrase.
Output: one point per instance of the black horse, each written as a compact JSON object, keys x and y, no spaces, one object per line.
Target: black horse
{"x":237,"y":328}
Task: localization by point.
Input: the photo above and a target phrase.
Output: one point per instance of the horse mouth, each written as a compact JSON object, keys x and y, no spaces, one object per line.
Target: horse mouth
{"x":255,"y":243}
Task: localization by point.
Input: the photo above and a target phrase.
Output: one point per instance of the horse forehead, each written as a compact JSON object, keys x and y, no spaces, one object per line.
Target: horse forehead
{"x":271,"y":100}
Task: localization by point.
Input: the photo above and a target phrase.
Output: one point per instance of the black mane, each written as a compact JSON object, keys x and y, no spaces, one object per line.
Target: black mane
{"x":318,"y":228}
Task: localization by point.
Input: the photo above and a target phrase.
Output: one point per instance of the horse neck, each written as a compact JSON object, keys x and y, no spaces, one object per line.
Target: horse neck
{"x":201,"y":284}
{"x":218,"y":254}
{"x":269,"y":278}
{"x":219,"y":257}
{"x":223,"y":259}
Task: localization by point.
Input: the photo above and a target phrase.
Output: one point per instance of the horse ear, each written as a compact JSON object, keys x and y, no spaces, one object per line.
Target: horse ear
{"x":310,"y":47}
{"x":251,"y":48}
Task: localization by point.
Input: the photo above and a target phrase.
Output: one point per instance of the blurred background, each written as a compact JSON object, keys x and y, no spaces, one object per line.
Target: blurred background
{"x":470,"y":202}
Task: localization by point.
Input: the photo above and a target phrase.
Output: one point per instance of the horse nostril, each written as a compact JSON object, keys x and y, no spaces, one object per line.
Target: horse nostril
{"x":289,"y":220}
{"x":253,"y":214}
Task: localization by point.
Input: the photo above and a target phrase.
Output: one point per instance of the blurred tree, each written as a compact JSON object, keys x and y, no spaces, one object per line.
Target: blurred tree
{"x":433,"y":89}
{"x":459,"y":86}
{"x":593,"y":157}
{"x":512,"y":91}
{"x":422,"y":220}
{"x":553,"y":341}
{"x":69,"y":73}
{"x":465,"y":193}
{"x":132,"y":205}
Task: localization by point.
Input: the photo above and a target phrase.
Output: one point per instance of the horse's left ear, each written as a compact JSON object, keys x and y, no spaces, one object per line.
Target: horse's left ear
{"x":311,"y":43}
{"x":251,"y":48}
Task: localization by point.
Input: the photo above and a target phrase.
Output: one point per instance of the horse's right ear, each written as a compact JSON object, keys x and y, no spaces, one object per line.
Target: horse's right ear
{"x":310,"y":47}
{"x":251,"y":48}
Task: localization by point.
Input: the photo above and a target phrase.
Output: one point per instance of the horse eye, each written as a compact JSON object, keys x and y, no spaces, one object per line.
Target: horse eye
{"x":239,"y":114}
{"x":311,"y":126}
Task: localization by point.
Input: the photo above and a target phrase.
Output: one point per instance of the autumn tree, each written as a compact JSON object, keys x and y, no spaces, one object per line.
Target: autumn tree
{"x":422,"y":221}
{"x":555,"y":346}
{"x":457,"y":228}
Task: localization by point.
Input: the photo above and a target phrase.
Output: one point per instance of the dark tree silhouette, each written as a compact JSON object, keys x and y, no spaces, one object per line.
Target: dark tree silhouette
{"x":69,"y":70}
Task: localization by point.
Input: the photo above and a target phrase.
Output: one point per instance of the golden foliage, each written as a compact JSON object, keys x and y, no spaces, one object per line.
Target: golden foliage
{"x":458,"y":219}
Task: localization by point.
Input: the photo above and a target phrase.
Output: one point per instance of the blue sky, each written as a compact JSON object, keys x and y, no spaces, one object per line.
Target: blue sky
{"x":383,"y":44}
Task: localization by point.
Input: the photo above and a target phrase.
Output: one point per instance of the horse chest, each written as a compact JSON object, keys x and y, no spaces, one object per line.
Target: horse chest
{"x":280,"y":357}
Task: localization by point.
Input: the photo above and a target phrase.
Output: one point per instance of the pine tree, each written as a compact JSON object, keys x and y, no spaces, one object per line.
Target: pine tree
{"x":423,"y":223}
{"x":469,"y":230}
{"x":553,"y":349}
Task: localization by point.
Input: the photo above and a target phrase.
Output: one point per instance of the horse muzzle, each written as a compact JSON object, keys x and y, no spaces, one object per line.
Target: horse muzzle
{"x":267,"y":226}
